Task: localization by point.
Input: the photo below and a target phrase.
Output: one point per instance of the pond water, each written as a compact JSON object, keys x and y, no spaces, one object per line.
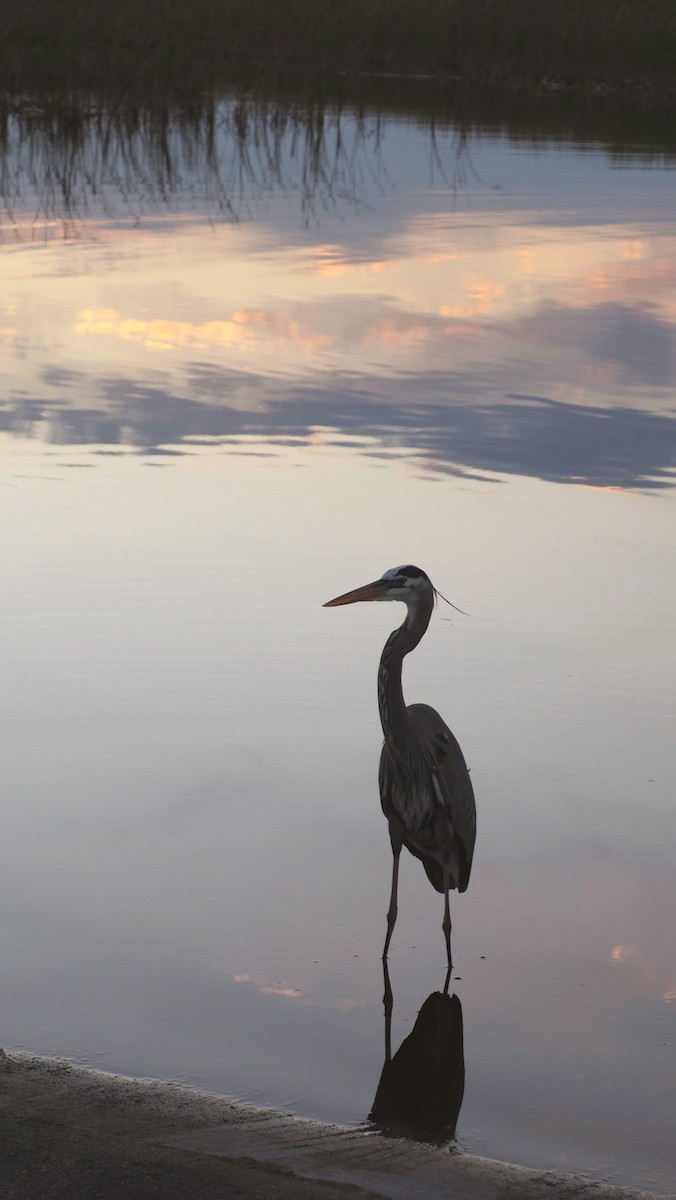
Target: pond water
{"x":242,"y":377}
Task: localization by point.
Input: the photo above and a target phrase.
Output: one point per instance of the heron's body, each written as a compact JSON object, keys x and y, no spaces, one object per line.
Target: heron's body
{"x":425,"y":788}
{"x":417,"y":801}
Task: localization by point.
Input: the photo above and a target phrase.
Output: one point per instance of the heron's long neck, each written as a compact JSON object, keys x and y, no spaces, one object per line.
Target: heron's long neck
{"x":394,"y":718}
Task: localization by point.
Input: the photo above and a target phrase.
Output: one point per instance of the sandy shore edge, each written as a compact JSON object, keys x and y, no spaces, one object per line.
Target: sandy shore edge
{"x":69,"y":1131}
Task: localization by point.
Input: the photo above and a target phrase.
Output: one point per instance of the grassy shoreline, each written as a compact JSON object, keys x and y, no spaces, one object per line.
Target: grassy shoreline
{"x":184,"y":46}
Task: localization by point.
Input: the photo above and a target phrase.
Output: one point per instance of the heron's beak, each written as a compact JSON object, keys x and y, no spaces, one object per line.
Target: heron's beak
{"x":371,"y":591}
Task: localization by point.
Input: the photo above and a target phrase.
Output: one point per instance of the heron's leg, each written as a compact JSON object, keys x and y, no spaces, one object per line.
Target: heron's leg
{"x":392,"y":911}
{"x":388,"y":1003}
{"x":446,"y":926}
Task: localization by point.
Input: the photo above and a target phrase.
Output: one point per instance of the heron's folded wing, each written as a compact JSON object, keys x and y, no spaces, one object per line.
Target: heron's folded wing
{"x":453,"y":789}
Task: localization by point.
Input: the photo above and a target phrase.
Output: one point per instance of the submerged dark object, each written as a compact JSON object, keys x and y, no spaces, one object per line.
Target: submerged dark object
{"x":421,"y":1088}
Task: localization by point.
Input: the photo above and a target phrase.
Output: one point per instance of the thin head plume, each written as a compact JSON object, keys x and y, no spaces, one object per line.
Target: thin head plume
{"x":439,"y":596}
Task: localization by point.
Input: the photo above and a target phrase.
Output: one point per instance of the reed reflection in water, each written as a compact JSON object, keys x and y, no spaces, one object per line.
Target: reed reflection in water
{"x":220,"y":158}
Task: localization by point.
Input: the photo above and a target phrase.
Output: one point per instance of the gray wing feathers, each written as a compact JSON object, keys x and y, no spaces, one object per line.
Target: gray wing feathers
{"x":435,"y":762}
{"x":450,"y":782}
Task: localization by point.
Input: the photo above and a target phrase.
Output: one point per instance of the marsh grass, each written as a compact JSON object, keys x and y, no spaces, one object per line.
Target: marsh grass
{"x":184,"y":46}
{"x":132,"y":97}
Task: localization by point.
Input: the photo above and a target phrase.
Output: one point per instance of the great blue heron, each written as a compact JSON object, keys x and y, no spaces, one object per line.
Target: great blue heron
{"x":425,"y":788}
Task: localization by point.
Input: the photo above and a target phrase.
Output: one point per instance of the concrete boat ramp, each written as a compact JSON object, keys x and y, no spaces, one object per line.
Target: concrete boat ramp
{"x":73,"y":1133}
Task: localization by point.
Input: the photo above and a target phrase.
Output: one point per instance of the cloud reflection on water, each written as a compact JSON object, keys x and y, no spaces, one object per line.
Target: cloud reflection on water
{"x":470,"y":345}
{"x":425,"y":419}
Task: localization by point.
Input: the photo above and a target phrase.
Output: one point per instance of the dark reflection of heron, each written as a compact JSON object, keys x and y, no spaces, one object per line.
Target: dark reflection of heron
{"x":425,"y":789}
{"x":421,"y":1089}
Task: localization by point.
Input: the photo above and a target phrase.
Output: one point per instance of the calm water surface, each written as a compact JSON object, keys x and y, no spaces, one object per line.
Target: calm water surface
{"x":229,"y":393}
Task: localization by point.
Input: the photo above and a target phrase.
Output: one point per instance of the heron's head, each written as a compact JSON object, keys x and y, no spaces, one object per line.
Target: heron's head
{"x":399,"y":583}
